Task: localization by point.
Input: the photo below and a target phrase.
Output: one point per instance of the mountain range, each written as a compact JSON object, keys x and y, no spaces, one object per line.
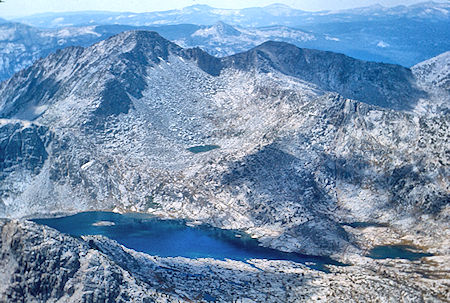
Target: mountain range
{"x":318,"y":133}
{"x":404,"y":35}
{"x":22,"y":45}
{"x":308,"y":139}
{"x":271,"y":130}
{"x":275,"y":14}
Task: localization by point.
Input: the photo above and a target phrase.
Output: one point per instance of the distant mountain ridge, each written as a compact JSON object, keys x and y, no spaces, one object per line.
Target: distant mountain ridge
{"x":404,"y":35}
{"x":22,"y":45}
{"x":276,"y":14}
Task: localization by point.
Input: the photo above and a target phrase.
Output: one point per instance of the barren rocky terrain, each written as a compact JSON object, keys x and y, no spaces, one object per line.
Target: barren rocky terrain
{"x":303,"y":143}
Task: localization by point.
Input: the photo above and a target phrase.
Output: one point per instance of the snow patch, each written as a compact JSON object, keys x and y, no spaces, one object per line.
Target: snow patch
{"x":103,"y":223}
{"x":87,"y":165}
{"x":383,"y":44}
{"x":332,"y":38}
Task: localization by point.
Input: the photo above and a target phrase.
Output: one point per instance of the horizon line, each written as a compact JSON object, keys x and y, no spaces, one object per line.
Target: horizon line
{"x":229,"y":9}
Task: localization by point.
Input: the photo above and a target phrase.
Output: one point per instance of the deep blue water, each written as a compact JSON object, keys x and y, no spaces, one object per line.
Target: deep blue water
{"x":172,"y":238}
{"x":202,"y":148}
{"x":397,"y":252}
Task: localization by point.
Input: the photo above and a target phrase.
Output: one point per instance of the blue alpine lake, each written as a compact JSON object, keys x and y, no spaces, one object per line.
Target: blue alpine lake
{"x":172,"y":238}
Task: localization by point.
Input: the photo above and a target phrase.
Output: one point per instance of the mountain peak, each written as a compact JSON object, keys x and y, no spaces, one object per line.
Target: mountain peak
{"x":334,"y":72}
{"x":139,"y":44}
{"x":197,"y":7}
{"x":278,"y":6}
{"x":278,"y":9}
{"x":430,"y":4}
{"x":139,"y":34}
{"x":118,"y":64}
{"x":223,"y":28}
{"x":133,"y":36}
{"x":275,"y":44}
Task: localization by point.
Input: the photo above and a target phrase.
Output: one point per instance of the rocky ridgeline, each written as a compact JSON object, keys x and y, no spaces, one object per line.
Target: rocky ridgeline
{"x":435,"y":72}
{"x":41,"y":265}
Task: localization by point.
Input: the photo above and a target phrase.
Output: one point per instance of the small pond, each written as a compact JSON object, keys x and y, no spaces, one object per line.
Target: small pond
{"x":397,"y":252}
{"x":172,"y":238}
{"x":202,"y":148}
{"x":364,"y":224}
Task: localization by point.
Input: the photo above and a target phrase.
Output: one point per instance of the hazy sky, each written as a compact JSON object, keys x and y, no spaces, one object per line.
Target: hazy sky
{"x":12,"y":8}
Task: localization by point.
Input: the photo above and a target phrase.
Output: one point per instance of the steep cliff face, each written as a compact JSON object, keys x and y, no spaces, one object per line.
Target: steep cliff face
{"x":295,"y":159}
{"x":41,"y":265}
{"x":23,"y":153}
{"x":23,"y":146}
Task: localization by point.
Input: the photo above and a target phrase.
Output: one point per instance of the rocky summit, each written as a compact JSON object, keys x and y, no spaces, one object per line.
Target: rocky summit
{"x":293,"y":146}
